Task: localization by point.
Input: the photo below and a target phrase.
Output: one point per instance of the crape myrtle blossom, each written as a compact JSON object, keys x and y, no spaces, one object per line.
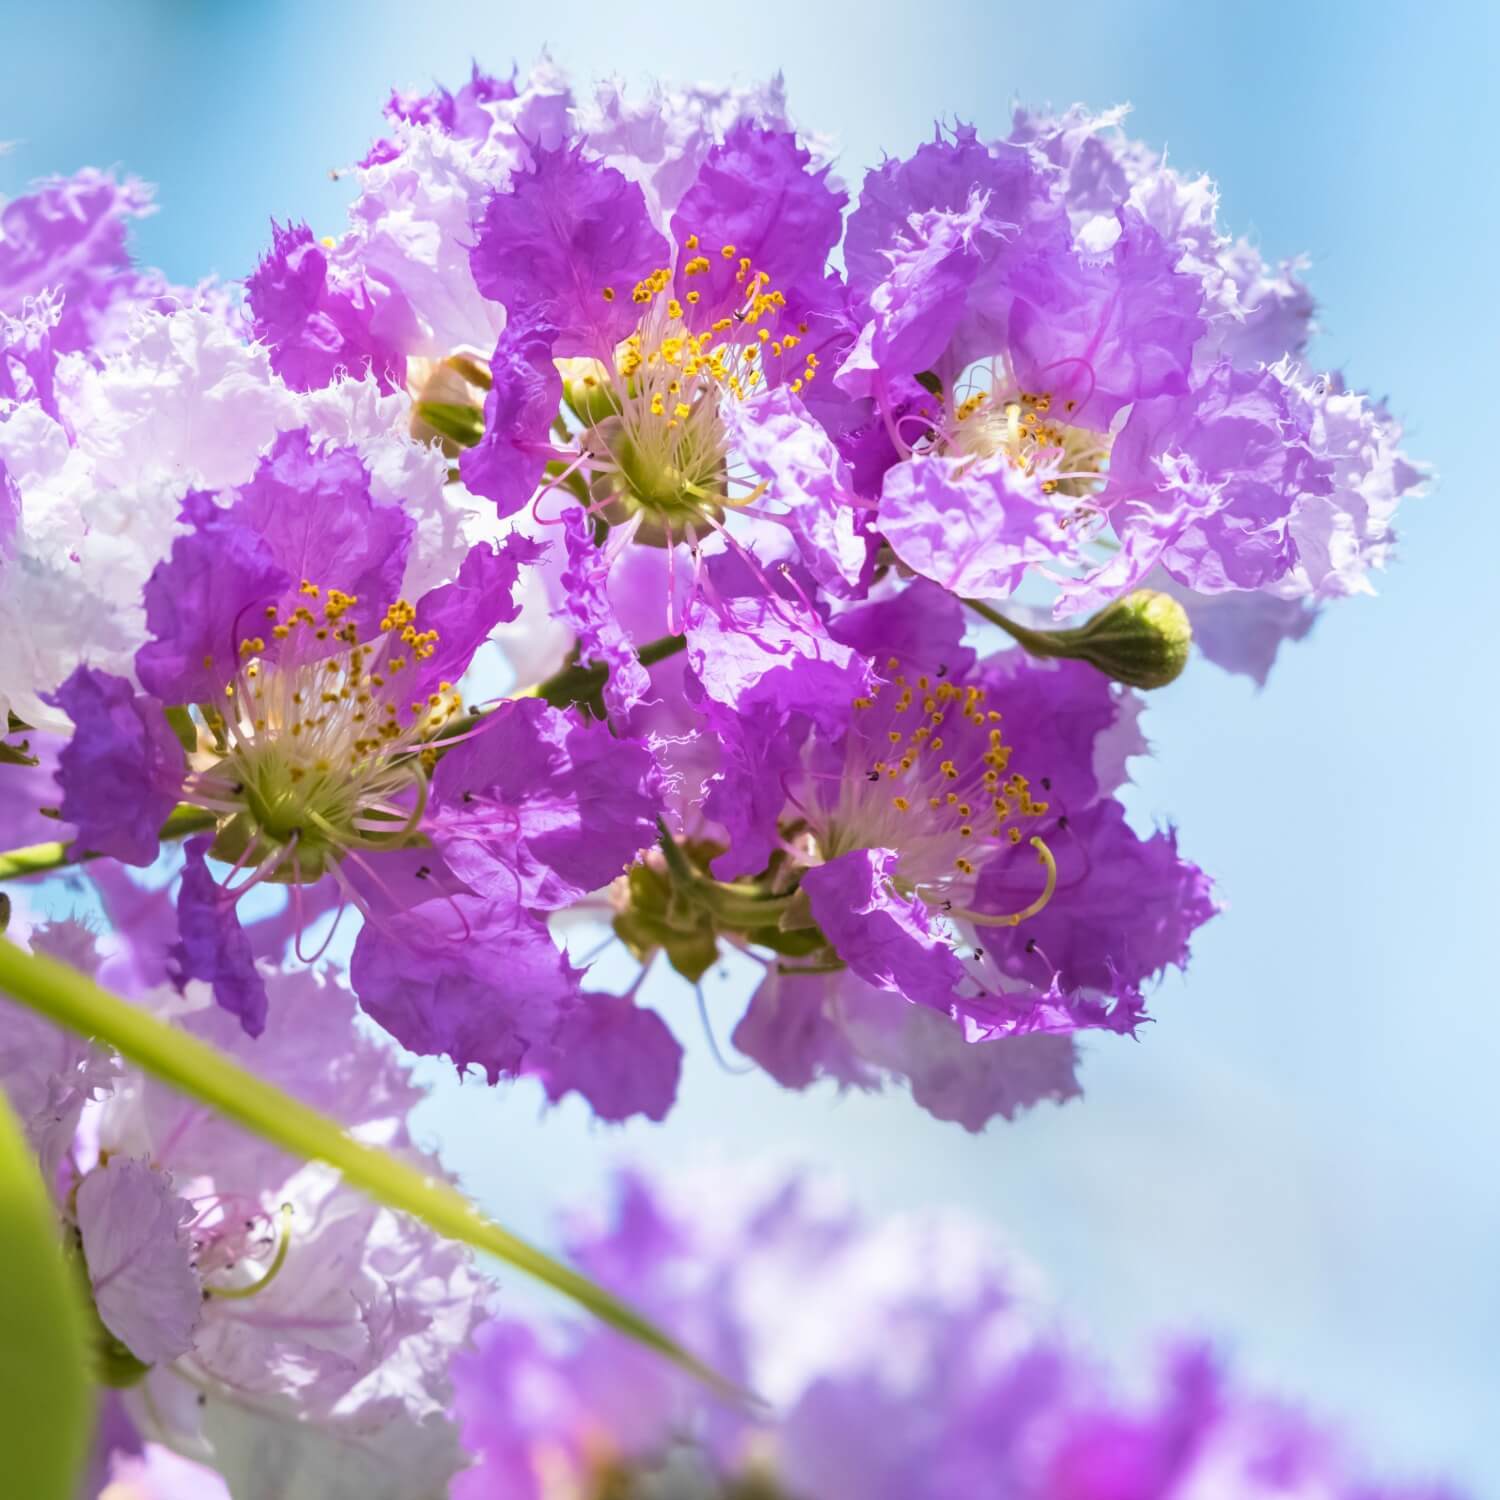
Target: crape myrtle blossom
{"x":581,"y":379}
{"x":902,"y":1360}
{"x":296,"y":698}
{"x":253,"y":1312}
{"x":1070,"y":357}
{"x":650,"y":340}
{"x":924,"y":851}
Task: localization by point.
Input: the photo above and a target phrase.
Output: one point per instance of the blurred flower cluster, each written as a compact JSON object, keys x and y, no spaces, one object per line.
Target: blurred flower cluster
{"x":727,"y":470}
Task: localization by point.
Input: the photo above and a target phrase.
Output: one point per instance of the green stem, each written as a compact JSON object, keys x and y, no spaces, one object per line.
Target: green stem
{"x":1036,"y":642}
{"x":192,"y":1067}
{"x":36,"y":859}
{"x":571,"y":684}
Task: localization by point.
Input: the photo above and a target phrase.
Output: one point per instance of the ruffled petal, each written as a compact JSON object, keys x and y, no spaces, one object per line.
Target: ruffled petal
{"x":212,"y":945}
{"x":122,"y":770}
{"x":134,"y":1231}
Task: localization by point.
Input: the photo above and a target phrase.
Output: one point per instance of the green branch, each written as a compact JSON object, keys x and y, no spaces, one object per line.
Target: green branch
{"x":192,"y":1067}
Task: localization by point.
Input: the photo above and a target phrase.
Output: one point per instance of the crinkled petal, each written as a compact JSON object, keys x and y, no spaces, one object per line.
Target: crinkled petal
{"x":889,"y":940}
{"x":478,"y":981}
{"x":542,"y":806}
{"x":202,"y":601}
{"x":312,"y":505}
{"x":766,"y":649}
{"x":922,"y":627}
{"x":49,"y":1074}
{"x":973,"y":528}
{"x":756,"y":193}
{"x":507,"y":463}
{"x":135,"y":1240}
{"x":601,"y":638}
{"x":464,"y":612}
{"x":1097,"y":334}
{"x":212,"y":945}
{"x":1207,"y":486}
{"x":122,"y":770}
{"x":68,"y":234}
{"x":321,"y":316}
{"x":28,"y":362}
{"x":623,"y":1060}
{"x":789,"y":1030}
{"x":550,"y":245}
{"x":803,"y":470}
{"x":1130,"y":906}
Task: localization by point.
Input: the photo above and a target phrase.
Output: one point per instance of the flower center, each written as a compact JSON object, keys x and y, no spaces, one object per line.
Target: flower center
{"x":318,"y":747}
{"x":1018,"y":426}
{"x":926,"y":772}
{"x":652,"y":419}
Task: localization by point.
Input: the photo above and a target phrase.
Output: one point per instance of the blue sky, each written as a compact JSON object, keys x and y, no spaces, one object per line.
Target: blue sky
{"x":1301,"y":1154}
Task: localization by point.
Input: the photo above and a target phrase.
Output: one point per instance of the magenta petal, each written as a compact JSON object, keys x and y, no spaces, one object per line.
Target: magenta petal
{"x":212,"y":945}
{"x":122,"y":771}
{"x":886,"y":938}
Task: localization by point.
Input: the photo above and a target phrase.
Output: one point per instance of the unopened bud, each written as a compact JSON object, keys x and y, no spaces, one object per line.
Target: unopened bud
{"x":1141,"y":640}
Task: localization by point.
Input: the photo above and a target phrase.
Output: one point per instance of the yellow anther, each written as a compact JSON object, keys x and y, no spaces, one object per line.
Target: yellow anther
{"x":674,"y":308}
{"x":608,"y":294}
{"x":728,"y":252}
{"x":691,"y":242}
{"x":900,"y":804}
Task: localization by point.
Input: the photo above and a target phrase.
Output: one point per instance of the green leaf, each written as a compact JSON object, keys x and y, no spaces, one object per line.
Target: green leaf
{"x":46,"y":1402}
{"x":204,"y":1073}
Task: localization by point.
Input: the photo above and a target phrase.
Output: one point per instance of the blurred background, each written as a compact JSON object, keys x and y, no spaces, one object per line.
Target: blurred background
{"x":1300,"y":1156}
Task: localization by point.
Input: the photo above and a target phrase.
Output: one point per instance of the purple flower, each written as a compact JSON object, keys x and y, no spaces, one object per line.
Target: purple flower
{"x":655,"y":340}
{"x":323,"y":1324}
{"x":951,"y":840}
{"x":923,"y":1367}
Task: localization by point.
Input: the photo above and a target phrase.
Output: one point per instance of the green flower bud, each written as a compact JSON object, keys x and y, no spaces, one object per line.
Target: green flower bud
{"x":1141,"y":640}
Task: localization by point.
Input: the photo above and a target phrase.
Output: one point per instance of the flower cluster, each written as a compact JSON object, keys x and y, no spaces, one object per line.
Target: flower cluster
{"x":728,"y":466}
{"x":738,"y":469}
